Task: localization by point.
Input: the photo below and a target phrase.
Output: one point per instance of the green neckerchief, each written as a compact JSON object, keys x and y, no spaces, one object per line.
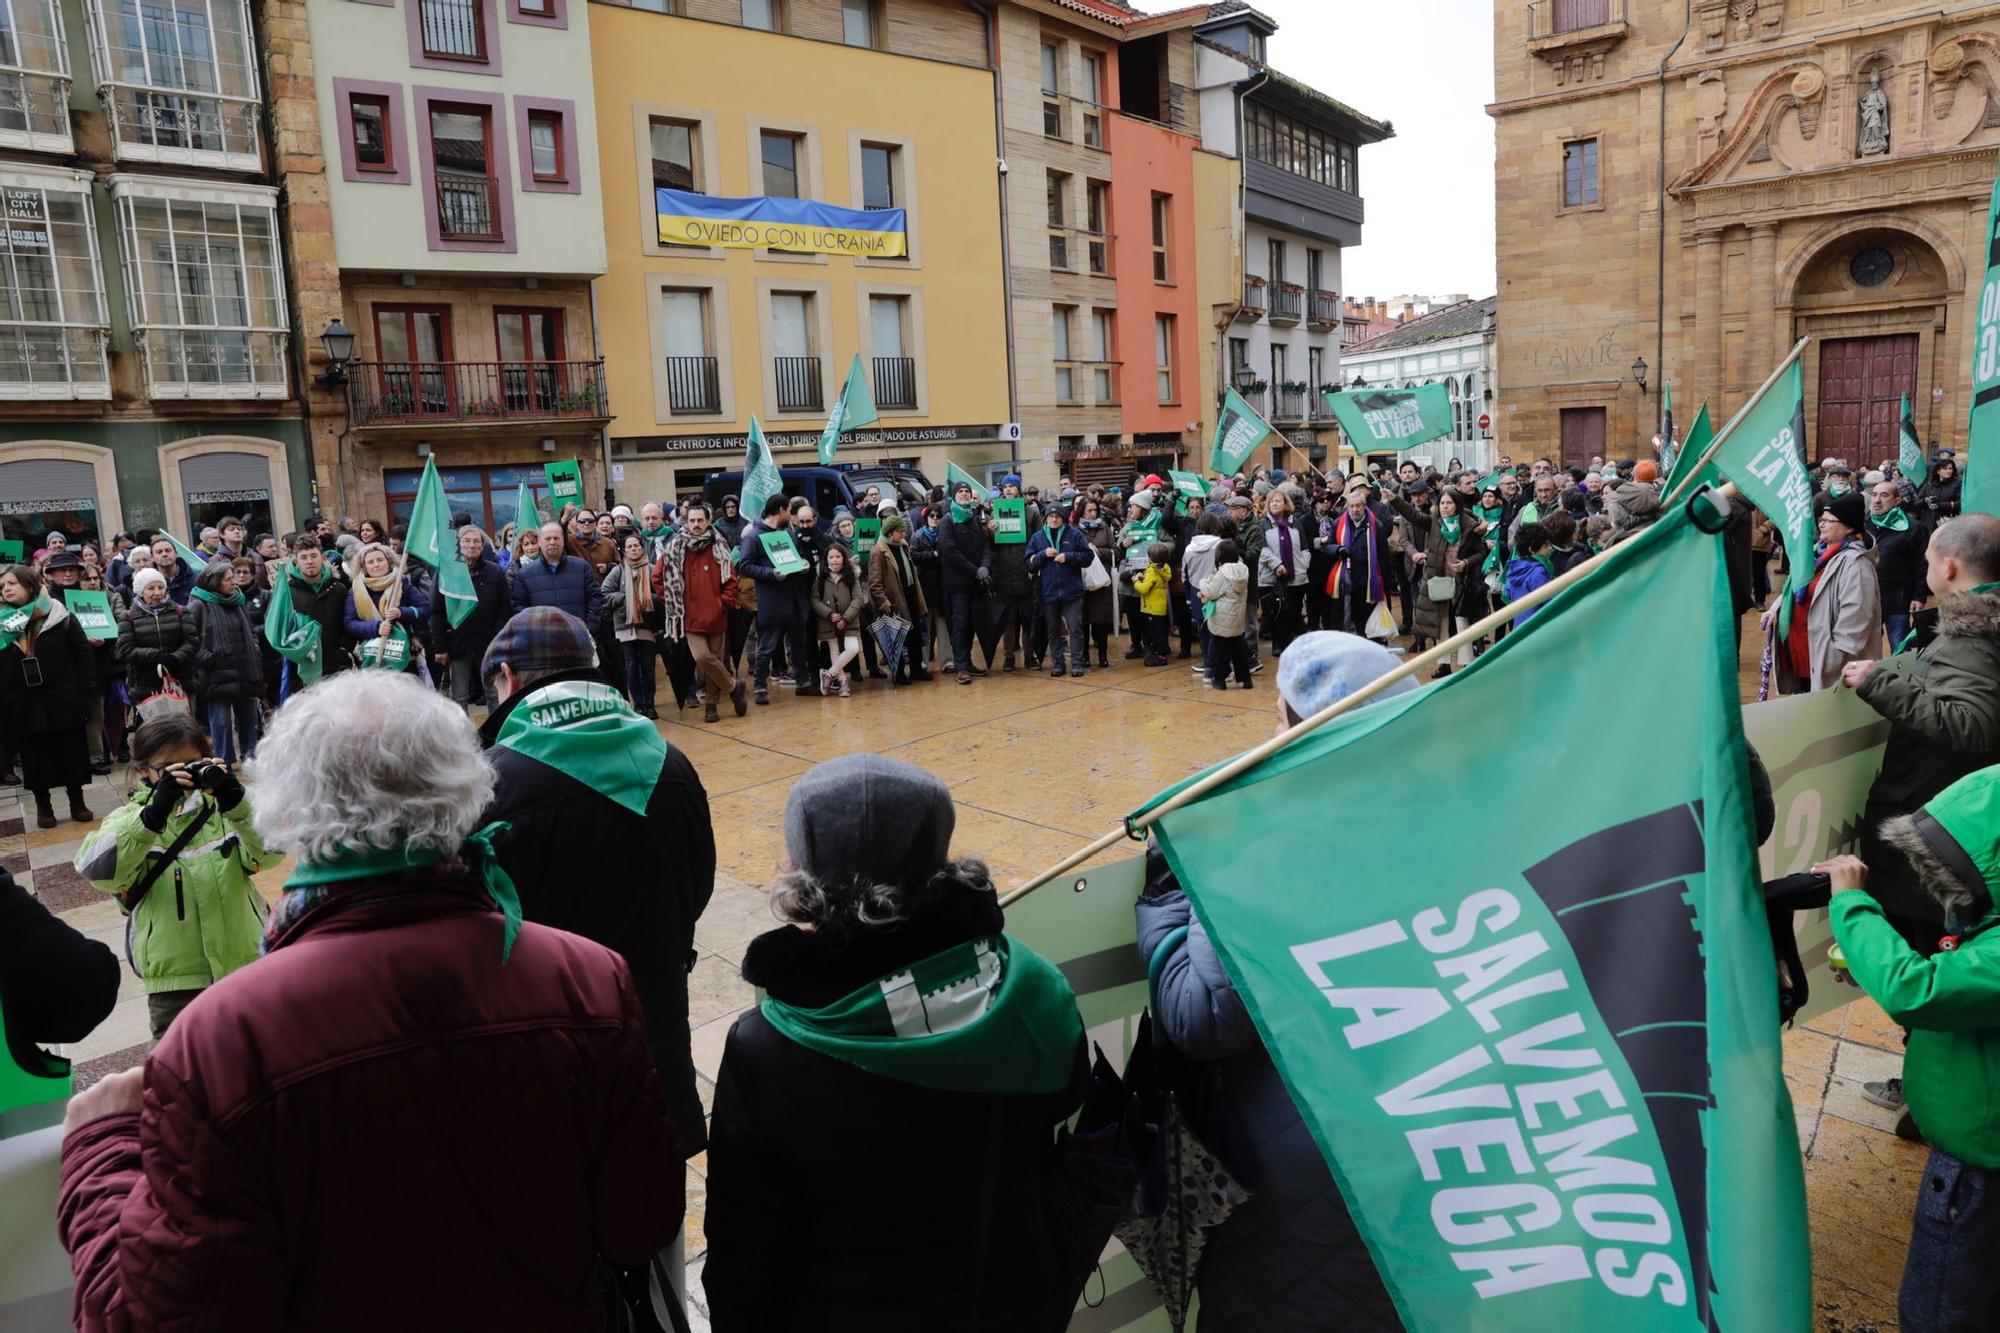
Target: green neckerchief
{"x":371,"y":863}
{"x":959,"y":513}
{"x":1449,"y":529}
{"x":989,"y":1015}
{"x":1835,"y":491}
{"x":586,"y":729}
{"x":1894,"y":521}
{"x":1911,"y":637}
{"x":325,"y":573}
{"x":1491,"y":518}
{"x":14,"y":623}
{"x":1547,"y":562}
{"x":654,"y":534}
{"x":235,"y":597}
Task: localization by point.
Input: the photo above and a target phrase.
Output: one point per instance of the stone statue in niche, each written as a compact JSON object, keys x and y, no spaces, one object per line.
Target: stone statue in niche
{"x":1874,"y":118}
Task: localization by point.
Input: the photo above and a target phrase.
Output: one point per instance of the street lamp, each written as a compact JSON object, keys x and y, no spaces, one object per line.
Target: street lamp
{"x":1245,"y":377}
{"x":1359,"y":383}
{"x":338,"y":340}
{"x":1639,"y":375}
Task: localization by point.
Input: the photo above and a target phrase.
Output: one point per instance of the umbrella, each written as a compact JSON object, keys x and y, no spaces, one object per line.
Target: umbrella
{"x":680,"y":670}
{"x":987,"y":614}
{"x":1185,"y":1191}
{"x":1093,"y":1179}
{"x":890,"y":633}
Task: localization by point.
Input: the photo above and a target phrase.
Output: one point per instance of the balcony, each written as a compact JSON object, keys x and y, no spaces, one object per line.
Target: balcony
{"x":1325,"y":309}
{"x":896,"y":382}
{"x":44,"y":362}
{"x":1316,"y":405}
{"x":1255,"y":301}
{"x":184,"y":363}
{"x":1288,"y":404}
{"x":466,"y":206}
{"x":798,"y":383}
{"x":1254,"y":395}
{"x":189,"y":129}
{"x":452,"y":29}
{"x":393,"y":393}
{"x":694,"y":385}
{"x":1286,"y":303}
{"x":34,"y":109}
{"x":1560,"y":29}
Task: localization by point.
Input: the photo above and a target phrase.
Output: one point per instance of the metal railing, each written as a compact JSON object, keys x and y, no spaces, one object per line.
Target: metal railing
{"x":1255,"y":295}
{"x":213,"y":363}
{"x":1326,"y":307}
{"x":387,"y":392}
{"x":896,"y":381}
{"x":164,"y":125}
{"x":1284,"y":306}
{"x":465,"y":205}
{"x":34,"y":102}
{"x":798,"y":383}
{"x":1290,"y":404}
{"x":52,"y":361}
{"x":1316,"y":404}
{"x":1254,"y":397}
{"x":1552,"y":18}
{"x":694,"y":384}
{"x":452,"y":28}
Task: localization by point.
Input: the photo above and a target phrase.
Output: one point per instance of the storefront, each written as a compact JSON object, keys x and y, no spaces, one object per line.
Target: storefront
{"x":43,"y":495}
{"x":489,"y":494}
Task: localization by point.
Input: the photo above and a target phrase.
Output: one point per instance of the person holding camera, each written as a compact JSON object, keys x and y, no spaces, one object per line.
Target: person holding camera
{"x":178,"y":857}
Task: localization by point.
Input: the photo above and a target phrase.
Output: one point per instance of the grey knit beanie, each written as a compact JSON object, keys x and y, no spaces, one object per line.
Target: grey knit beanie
{"x":868,"y":817}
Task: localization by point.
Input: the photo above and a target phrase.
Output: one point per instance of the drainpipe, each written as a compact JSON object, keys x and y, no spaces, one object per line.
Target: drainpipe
{"x":604,"y":396}
{"x":1242,"y":90}
{"x":1660,"y":271}
{"x":990,"y":21}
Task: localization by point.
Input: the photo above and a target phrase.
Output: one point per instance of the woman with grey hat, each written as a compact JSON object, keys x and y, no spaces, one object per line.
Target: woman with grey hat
{"x":1837,"y":618}
{"x":883,"y":1121}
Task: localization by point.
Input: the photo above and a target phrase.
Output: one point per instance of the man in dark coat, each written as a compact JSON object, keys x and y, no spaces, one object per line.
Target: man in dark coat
{"x":566,"y":582}
{"x":462,"y":647}
{"x":179,"y":575}
{"x":320,"y":595}
{"x":967,"y":555}
{"x":783,"y":607}
{"x":1900,"y":539}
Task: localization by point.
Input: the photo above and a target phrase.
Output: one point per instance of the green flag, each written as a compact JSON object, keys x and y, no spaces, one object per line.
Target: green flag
{"x":1763,"y":451}
{"x":1689,"y":459}
{"x":1982,"y":442}
{"x":1374,"y":420}
{"x":188,"y":556}
{"x":13,"y":553}
{"x":855,"y":407}
{"x":954,"y":474}
{"x":1544,"y":1068}
{"x":432,"y":541}
{"x":92,"y":611}
{"x":565,"y":485}
{"x":1189,"y":484}
{"x":1238,"y":432}
{"x":1670,"y":450}
{"x":295,"y":637}
{"x":1910,"y":453}
{"x":761,"y":477}
{"x":526,"y":512}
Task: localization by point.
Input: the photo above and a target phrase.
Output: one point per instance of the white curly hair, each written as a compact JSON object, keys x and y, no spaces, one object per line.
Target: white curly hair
{"x":367,"y":759}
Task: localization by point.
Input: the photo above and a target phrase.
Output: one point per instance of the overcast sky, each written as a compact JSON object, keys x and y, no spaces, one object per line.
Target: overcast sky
{"x":1426,"y":66}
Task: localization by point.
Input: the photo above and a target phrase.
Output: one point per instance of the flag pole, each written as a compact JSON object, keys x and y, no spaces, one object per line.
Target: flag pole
{"x":1250,"y":758}
{"x":1715,"y":443}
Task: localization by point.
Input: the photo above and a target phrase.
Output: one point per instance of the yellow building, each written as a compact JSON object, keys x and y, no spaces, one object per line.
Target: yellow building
{"x":697,"y":339}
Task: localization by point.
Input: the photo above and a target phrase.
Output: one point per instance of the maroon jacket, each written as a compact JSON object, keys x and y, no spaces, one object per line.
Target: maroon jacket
{"x":378,"y":1126}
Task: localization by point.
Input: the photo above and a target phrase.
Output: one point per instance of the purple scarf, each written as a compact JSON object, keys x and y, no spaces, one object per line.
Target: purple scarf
{"x":1343,"y":531}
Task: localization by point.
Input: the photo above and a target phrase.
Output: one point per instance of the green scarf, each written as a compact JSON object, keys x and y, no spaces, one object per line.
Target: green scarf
{"x":654,"y":534}
{"x":1492,"y":518}
{"x":1893,"y":521}
{"x":325,"y":573}
{"x":307,"y":888}
{"x":16,"y":620}
{"x":986,"y":1016}
{"x":585,"y":729}
{"x":1547,"y":562}
{"x":1449,"y":529}
{"x":235,"y":597}
{"x":959,"y":513}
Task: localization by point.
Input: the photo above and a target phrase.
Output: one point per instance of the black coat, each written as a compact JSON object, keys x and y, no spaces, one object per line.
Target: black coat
{"x":472,"y":638}
{"x":843,"y":1200}
{"x":1899,"y":565}
{"x":226,"y":657}
{"x":648,"y":879}
{"x":56,"y":985}
{"x":327,"y":607}
{"x":153,"y":637}
{"x":964,"y":549}
{"x":782,"y":599}
{"x":69,"y":673}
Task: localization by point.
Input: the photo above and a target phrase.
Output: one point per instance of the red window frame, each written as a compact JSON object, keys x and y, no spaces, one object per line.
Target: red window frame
{"x":533,"y":387}
{"x":408,"y":313}
{"x":523,"y":313}
{"x":420,"y":392}
{"x":484,"y":114}
{"x":380,"y":105}
{"x":554,"y":120}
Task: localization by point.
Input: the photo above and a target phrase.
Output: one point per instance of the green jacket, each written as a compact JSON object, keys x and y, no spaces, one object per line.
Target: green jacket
{"x":1951,"y":1000}
{"x":203,"y":918}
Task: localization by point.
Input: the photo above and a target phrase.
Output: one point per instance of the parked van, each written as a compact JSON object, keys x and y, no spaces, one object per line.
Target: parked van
{"x":829,"y":488}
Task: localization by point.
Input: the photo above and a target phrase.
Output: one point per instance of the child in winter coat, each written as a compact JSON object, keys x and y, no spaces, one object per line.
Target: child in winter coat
{"x":1152,"y":586}
{"x":1225,"y":596}
{"x":1530,"y":568}
{"x":837,"y":598}
{"x":1950,"y":1002}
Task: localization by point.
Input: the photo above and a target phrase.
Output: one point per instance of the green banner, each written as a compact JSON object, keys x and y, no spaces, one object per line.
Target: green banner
{"x":1238,"y":432}
{"x":187,"y":555}
{"x":1545,"y":1069}
{"x":761,"y":477}
{"x":867,"y":535}
{"x":1910,"y":450}
{"x":1010,"y":521}
{"x":13,"y":553}
{"x":565,"y":485}
{"x":432,"y":541}
{"x":92,"y":611}
{"x":1377,"y":419}
{"x":1189,"y":484}
{"x":854,"y":408}
{"x":780,"y":551}
{"x":296,"y":637}
{"x":1688,"y":462}
{"x":954,"y":475}
{"x":1982,"y":442}
{"x":527,"y":514}
{"x":1764,"y":453}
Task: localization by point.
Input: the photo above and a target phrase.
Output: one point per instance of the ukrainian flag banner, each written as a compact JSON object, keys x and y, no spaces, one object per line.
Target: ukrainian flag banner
{"x":802,"y":225}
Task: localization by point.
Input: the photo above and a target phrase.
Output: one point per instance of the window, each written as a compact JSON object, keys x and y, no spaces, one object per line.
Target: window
{"x":1239,"y":357}
{"x":34,"y":76}
{"x":795,"y":364}
{"x":486,"y":493}
{"x":1065,"y":374}
{"x":781,"y":153}
{"x":52,"y":316}
{"x":368,"y":128}
{"x":206,"y":295}
{"x":674,"y":146}
{"x":1162,"y":224}
{"x":1104,"y":376}
{"x":1300,"y":149}
{"x":895,"y":368}
{"x":468,"y":196}
{"x":453,"y":29}
{"x":1058,"y":207}
{"x":1276,"y":253}
{"x":860,"y":23}
{"x":533,"y":375}
{"x":529,"y":333}
{"x":412,"y":334}
{"x":1315,"y":277}
{"x":1093,"y":96}
{"x":768,"y":15}
{"x":878,"y":176}
{"x":545,"y":146}
{"x":1097,"y":202}
{"x":694,"y":380}
{"x":179,"y":80}
{"x":1069,"y":446}
{"x":1163,"y":356}
{"x":1052,"y":112}
{"x":1579,"y":173}
{"x":411,"y":375}
{"x":537,"y":8}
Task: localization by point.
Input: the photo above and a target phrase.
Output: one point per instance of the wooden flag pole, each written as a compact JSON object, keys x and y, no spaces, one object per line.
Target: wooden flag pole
{"x":1250,"y":758}
{"x":1798,"y":348}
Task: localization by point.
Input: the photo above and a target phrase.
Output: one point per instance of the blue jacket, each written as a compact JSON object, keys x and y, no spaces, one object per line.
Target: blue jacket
{"x":1523,"y":577}
{"x":415,"y":610}
{"x":570,"y":586}
{"x":1291,"y":1254}
{"x":180,"y":588}
{"x":781,"y":598}
{"x":1064,"y":581}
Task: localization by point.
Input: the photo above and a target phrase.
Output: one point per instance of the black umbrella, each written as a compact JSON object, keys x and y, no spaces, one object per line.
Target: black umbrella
{"x":987,"y":613}
{"x":680,"y":670}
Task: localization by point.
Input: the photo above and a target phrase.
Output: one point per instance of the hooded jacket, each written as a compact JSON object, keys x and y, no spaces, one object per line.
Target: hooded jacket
{"x":1229,"y":589}
{"x":1059,"y":582}
{"x":1199,"y":562}
{"x":1951,"y":1000}
{"x":1524,"y":575}
{"x":1943,"y":710}
{"x":863,"y":1187}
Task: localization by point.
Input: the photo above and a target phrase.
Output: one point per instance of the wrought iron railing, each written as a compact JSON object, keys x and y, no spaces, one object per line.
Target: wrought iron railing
{"x":465,"y":205}
{"x":1255,"y":296}
{"x":213,"y":363}
{"x":52,"y":361}
{"x":798,"y":383}
{"x":452,"y":28}
{"x":388,"y":392}
{"x":163,"y":124}
{"x":1284,"y":306}
{"x":1326,"y":307}
{"x":694,"y":384}
{"x":1290,"y":404}
{"x":896,"y":381}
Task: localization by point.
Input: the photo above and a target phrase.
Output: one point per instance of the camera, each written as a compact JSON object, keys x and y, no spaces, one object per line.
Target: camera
{"x":208,"y":775}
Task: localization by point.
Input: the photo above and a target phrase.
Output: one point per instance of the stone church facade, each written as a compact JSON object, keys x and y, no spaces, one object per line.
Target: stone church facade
{"x":1701,"y":196}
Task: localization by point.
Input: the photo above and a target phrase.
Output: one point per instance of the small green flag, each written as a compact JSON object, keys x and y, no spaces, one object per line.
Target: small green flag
{"x":1010,"y":520}
{"x":432,"y":541}
{"x":190,"y":557}
{"x":527,"y":514}
{"x":1238,"y":432}
{"x":761,"y":477}
{"x":295,"y":637}
{"x":854,"y":408}
{"x":1910,"y":456}
{"x":1374,"y":420}
{"x":92,"y":611}
{"x":13,"y":553}
{"x":565,"y":484}
{"x":954,"y":474}
{"x":780,"y":550}
{"x":1698,"y":438}
{"x":867,"y":535}
{"x":1764,"y":453}
{"x":1189,"y":484}
{"x":1981,"y":469}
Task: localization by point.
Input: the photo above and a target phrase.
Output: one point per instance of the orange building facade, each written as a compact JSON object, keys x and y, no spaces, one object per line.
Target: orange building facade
{"x":1160,"y":332}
